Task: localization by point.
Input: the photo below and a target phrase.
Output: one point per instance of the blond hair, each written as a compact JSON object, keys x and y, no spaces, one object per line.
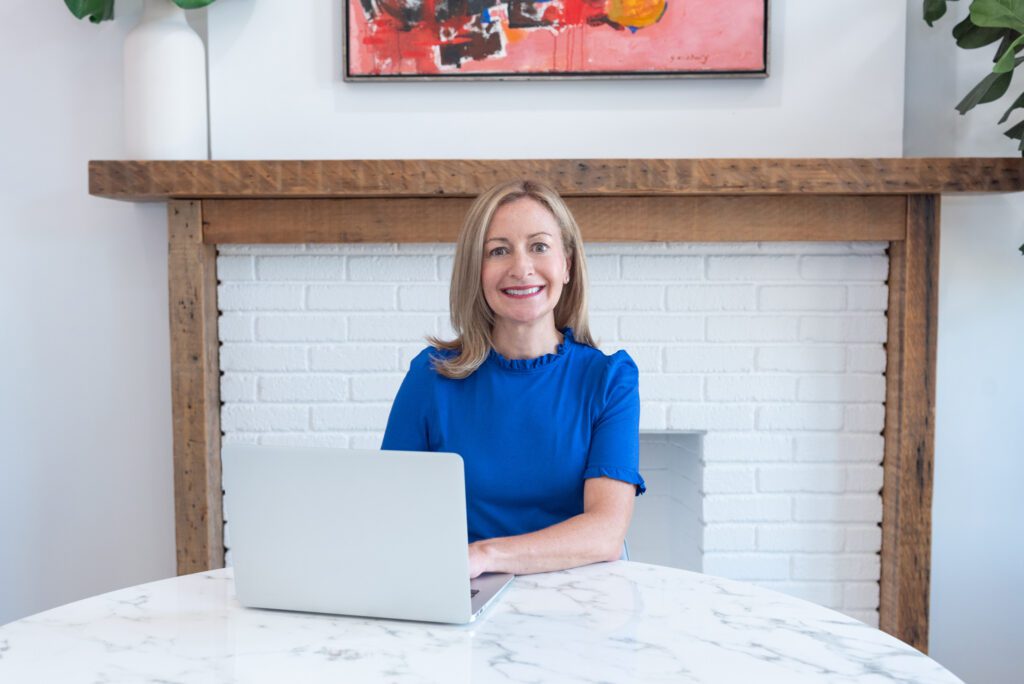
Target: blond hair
{"x":472,"y":318}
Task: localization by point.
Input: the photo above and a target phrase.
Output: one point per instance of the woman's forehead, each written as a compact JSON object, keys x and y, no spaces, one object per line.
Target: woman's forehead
{"x":522,"y":218}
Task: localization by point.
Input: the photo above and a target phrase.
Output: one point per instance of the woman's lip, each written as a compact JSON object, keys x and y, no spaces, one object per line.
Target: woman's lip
{"x":505,"y":292}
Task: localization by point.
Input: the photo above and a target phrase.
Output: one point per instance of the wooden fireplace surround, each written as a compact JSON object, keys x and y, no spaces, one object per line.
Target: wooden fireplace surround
{"x":705,"y":200}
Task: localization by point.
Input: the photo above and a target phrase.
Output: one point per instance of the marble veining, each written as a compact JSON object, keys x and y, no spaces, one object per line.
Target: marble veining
{"x":605,"y":623}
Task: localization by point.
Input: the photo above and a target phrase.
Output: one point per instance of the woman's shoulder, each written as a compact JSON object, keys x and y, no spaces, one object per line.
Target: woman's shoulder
{"x":609,"y":367}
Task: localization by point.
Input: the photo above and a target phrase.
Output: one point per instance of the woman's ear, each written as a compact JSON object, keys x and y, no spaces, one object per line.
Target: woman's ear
{"x":568,"y":268}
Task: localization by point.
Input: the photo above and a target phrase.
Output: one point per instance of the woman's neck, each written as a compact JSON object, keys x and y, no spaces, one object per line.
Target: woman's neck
{"x":525,"y":341}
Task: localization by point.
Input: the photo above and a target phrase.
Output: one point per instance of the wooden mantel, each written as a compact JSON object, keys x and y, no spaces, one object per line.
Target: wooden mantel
{"x":895,"y":200}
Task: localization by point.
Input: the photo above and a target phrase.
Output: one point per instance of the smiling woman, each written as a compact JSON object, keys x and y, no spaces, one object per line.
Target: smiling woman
{"x":547,"y":425}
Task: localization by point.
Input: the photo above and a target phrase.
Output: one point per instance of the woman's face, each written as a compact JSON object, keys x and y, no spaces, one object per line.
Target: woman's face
{"x":524,"y":263}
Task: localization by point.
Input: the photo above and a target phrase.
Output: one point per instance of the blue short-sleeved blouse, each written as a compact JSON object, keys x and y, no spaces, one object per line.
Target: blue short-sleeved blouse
{"x":529,"y":431}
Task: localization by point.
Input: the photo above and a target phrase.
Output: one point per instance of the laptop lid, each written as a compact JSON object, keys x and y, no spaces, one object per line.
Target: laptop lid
{"x":353,"y":532}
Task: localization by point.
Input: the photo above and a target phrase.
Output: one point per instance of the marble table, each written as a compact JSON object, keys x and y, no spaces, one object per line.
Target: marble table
{"x":611,"y":622}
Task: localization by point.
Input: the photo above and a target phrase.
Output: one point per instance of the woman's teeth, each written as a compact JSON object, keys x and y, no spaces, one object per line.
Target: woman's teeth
{"x":523,"y":292}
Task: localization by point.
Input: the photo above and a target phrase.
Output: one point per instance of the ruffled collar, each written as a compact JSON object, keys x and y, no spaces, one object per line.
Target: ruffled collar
{"x":541,"y":361}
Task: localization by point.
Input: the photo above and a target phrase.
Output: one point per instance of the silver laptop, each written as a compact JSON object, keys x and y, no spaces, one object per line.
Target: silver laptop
{"x":352,"y":532}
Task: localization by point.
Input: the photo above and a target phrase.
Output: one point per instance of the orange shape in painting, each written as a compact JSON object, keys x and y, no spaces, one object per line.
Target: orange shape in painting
{"x":636,"y":13}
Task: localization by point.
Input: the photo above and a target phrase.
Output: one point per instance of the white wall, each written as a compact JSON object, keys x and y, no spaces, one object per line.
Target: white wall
{"x":978,"y":512}
{"x":85,"y":457}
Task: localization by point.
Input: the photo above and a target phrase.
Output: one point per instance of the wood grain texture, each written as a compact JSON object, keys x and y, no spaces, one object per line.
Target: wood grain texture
{"x":602,"y":219}
{"x":195,"y":391}
{"x":160,"y":180}
{"x":910,"y":425}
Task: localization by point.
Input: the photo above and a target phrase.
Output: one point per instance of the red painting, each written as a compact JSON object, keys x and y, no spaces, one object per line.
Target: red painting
{"x":396,"y":39}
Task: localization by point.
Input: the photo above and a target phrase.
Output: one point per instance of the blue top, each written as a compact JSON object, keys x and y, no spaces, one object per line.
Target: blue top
{"x":529,"y":431}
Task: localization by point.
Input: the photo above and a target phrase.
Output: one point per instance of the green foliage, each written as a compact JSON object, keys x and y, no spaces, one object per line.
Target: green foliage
{"x":102,"y":10}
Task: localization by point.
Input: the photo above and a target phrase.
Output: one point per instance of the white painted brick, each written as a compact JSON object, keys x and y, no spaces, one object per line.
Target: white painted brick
{"x":837,"y":508}
{"x":240,"y":438}
{"x":708,"y":359}
{"x":699,"y":416}
{"x":732,"y":447}
{"x":602,"y":267}
{"x":844,"y":267}
{"x":753,"y":268}
{"x":868,"y":298}
{"x":301,"y":328}
{"x":794,"y":247}
{"x":729,"y":538}
{"x":626,"y":297}
{"x":332,"y":440}
{"x":259,"y":296}
{"x":750,"y":387}
{"x":646,"y":357}
{"x":408,"y":352}
{"x":844,"y":388}
{"x":445,"y":331}
{"x":351,"y":248}
{"x":350,"y":297}
{"x":404,"y":328}
{"x":839,"y":447}
{"x":302,"y":268}
{"x":594,"y":248}
{"x":653,"y":416}
{"x":663,"y":328}
{"x":366,"y":440}
{"x":424,"y":297}
{"x":444,"y":268}
{"x":747,"y":508}
{"x":355,"y":357}
{"x":868,"y":617}
{"x":263,"y":417}
{"x":843,"y":329}
{"x":604,"y":329}
{"x":235,"y":250}
{"x":801,"y":358}
{"x":262,"y":357}
{"x":752,"y":328}
{"x":236,"y":268}
{"x":801,"y":298}
{"x":376,"y":387}
{"x":658,"y":267}
{"x":861,"y":595}
{"x":236,"y":327}
{"x":836,"y":567}
{"x":801,"y":478}
{"x":806,"y":538}
{"x":726,"y":479}
{"x":351,"y":417}
{"x":866,"y":538}
{"x":446,"y":248}
{"x":394,"y":268}
{"x":864,"y":478}
{"x":828,"y":594}
{"x":655,"y":386}
{"x":869,"y":247}
{"x":865,"y":418}
{"x":800,"y":417}
{"x":866,"y":359}
{"x":237,"y":387}
{"x":711,"y":298}
{"x":298,"y":388}
{"x":747,"y":566}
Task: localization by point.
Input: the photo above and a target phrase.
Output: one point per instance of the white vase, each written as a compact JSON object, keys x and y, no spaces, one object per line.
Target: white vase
{"x":164,"y":86}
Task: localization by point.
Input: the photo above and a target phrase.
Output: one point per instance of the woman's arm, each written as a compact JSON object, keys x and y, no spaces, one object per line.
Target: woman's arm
{"x":595,"y":535}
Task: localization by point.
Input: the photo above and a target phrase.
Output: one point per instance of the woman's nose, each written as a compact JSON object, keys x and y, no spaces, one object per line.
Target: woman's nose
{"x":522,"y":265}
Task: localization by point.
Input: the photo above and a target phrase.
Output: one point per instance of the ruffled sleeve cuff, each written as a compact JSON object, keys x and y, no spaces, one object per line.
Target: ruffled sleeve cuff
{"x":621,"y":474}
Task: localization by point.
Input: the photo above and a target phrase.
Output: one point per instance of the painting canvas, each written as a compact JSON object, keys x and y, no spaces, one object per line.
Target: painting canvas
{"x":514,"y":39}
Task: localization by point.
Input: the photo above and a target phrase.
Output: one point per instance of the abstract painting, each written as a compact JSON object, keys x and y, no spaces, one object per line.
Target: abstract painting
{"x":517,"y":39}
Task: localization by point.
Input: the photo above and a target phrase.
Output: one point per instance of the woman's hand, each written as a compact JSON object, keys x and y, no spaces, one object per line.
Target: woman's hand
{"x":477,"y":560}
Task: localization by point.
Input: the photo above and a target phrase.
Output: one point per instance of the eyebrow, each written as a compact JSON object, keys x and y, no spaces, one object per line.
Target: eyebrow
{"x":501,"y":239}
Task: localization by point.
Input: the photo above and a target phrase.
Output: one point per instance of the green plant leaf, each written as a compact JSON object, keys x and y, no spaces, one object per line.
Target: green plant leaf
{"x":998,"y":13}
{"x":1019,"y":102}
{"x":96,"y":10}
{"x":1006,"y":61}
{"x":992,"y":87}
{"x":1009,"y":35}
{"x":934,"y":10}
{"x":192,"y":4}
{"x":970,"y":36}
{"x":1016,"y":132}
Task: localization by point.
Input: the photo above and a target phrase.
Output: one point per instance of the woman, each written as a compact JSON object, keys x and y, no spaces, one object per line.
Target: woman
{"x":547,"y":425}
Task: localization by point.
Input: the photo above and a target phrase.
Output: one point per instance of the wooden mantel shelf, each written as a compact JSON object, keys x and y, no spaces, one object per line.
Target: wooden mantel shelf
{"x":163,"y":180}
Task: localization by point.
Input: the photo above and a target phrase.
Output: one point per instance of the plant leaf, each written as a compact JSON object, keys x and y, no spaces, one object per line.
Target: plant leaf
{"x":1006,"y":61}
{"x":970,"y":36}
{"x":1019,"y":102}
{"x":934,"y":10}
{"x":192,"y":4}
{"x":1016,"y":132}
{"x":992,"y":87}
{"x":998,"y":13}
{"x":96,"y":10}
{"x":1009,"y":35}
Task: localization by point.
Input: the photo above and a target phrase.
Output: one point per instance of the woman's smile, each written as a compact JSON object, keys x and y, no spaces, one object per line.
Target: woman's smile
{"x":523,"y":292}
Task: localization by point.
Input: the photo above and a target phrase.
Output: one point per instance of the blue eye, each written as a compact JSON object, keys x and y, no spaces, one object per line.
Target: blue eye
{"x":497,"y":251}
{"x":540,"y":247}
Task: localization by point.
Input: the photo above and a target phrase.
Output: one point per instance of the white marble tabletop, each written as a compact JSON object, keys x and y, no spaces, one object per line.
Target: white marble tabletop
{"x":611,"y":622}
